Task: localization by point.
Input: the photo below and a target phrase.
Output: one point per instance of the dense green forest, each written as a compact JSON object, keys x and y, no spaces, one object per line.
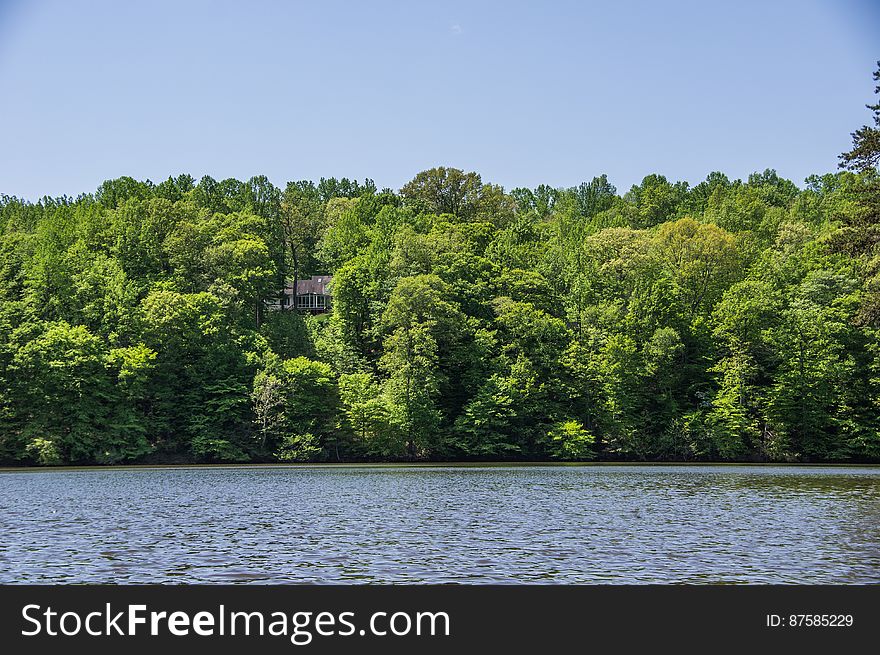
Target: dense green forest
{"x":731,"y":320}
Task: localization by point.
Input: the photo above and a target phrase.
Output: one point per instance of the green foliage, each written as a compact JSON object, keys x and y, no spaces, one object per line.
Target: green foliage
{"x":295,"y":406}
{"x":44,"y":451}
{"x":568,"y":440}
{"x":365,"y":415}
{"x":865,"y":154}
{"x":735,"y":320}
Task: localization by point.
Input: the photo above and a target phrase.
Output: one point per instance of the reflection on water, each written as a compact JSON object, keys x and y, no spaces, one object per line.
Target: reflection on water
{"x":495,"y":524}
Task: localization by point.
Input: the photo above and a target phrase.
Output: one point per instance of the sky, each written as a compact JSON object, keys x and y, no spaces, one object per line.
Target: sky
{"x":524,"y":93}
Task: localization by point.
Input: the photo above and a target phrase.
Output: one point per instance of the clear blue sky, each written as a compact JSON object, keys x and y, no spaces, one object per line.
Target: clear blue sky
{"x":522,"y":92}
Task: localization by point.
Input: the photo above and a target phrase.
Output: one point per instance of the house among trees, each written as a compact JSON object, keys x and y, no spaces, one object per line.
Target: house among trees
{"x":312,"y":295}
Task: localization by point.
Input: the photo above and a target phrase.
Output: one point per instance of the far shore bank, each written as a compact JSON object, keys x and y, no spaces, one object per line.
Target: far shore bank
{"x":438,"y":464}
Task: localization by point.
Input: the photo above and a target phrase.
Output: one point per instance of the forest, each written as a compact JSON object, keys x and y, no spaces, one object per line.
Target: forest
{"x":727,"y":321}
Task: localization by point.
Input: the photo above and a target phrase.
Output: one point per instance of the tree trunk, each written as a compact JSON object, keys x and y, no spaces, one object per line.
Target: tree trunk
{"x":295,"y":258}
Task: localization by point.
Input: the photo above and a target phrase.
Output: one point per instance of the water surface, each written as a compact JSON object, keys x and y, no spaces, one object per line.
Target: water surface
{"x":440,"y":524}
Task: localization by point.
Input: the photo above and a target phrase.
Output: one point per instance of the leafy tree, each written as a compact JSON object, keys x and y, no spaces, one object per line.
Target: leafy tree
{"x":112,"y":193}
{"x":71,"y":410}
{"x":412,"y":391}
{"x":300,"y":225}
{"x":568,"y":440}
{"x":811,"y":398}
{"x":366,"y":414}
{"x":743,"y":322}
{"x":865,"y":153}
{"x":701,"y":259}
{"x":269,"y":399}
{"x":735,"y":320}
{"x":655,"y":200}
{"x":444,"y":190}
{"x":859,"y":231}
{"x":310,"y":406}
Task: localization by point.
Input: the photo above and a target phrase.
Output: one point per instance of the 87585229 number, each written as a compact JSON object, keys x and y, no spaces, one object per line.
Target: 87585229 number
{"x":810,"y":621}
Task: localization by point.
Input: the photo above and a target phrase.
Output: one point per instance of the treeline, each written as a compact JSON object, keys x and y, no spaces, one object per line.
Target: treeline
{"x":732,"y":320}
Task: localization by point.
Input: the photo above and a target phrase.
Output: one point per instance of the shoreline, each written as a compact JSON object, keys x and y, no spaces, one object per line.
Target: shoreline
{"x":438,"y":464}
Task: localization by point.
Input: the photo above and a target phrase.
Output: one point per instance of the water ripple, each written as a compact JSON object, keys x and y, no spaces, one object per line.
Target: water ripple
{"x":442,"y":524}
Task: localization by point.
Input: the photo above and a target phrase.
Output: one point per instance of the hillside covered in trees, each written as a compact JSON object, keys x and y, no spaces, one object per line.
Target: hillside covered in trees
{"x":732,"y":320}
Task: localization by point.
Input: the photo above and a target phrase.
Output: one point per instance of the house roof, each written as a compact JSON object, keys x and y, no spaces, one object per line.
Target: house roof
{"x":316,"y":285}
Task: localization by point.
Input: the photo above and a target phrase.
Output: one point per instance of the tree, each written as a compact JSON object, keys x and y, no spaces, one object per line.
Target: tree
{"x":568,"y":440}
{"x":655,"y":200}
{"x":412,"y":391}
{"x":295,"y":403}
{"x":811,"y":399}
{"x":301,"y":220}
{"x":859,"y":231}
{"x":346,"y":234}
{"x":735,"y":320}
{"x":175,"y":188}
{"x":366,"y":413}
{"x":701,"y":258}
{"x":112,"y":193}
{"x":198,"y":394}
{"x":865,"y":153}
{"x":742,"y":323}
{"x":244,"y":266}
{"x":76,"y":400}
{"x":594,"y":196}
{"x":444,"y":190}
{"x":269,"y":399}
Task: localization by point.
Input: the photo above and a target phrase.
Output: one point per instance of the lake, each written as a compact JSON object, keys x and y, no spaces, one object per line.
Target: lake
{"x":441,"y":524}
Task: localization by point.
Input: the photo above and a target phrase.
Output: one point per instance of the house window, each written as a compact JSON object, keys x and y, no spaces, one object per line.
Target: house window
{"x":312,"y":301}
